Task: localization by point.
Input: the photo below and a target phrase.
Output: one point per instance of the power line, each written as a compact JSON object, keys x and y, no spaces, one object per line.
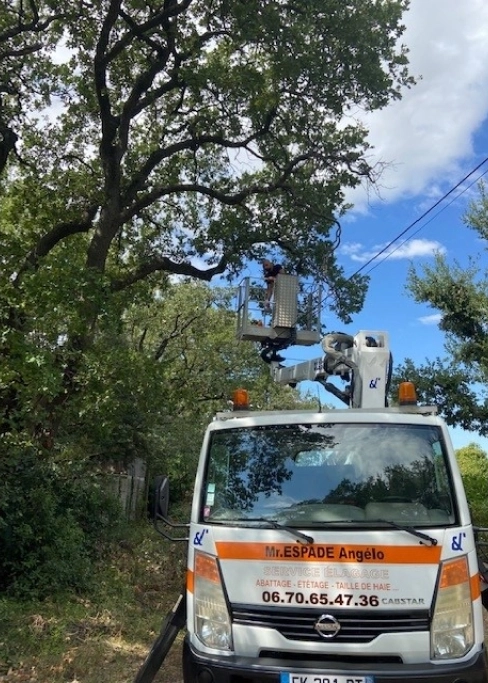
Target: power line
{"x":420,"y":218}
{"x":387,"y":256}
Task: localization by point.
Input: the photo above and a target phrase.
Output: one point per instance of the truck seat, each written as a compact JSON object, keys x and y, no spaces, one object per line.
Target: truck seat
{"x":327,"y":513}
{"x":400,"y":512}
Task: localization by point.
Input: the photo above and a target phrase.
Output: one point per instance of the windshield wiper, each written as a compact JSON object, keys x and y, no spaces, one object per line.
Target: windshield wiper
{"x":273,"y":524}
{"x":409,"y":529}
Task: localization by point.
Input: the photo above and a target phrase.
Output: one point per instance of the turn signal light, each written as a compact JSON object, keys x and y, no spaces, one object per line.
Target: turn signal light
{"x":240,"y":399}
{"x":407,"y":396}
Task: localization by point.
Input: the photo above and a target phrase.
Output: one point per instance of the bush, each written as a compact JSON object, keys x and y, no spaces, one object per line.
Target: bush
{"x":53,"y":525}
{"x":473,"y":463}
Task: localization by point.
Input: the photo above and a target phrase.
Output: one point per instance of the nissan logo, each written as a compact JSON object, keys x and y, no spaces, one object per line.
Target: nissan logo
{"x":327,"y":626}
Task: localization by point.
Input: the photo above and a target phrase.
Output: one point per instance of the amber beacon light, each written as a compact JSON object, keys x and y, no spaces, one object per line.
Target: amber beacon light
{"x":407,"y":396}
{"x":240,"y":399}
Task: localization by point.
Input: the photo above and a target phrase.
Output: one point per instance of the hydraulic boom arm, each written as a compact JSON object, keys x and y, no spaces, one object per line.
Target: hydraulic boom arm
{"x":364,"y":361}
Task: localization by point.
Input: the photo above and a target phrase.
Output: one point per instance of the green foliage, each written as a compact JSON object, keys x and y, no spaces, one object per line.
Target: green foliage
{"x":457,"y":383}
{"x":199,"y":131}
{"x":151,"y":381}
{"x":53,"y":525}
{"x":185,"y":139}
{"x":447,"y":386}
{"x":473,"y":463}
{"x":186,"y":338}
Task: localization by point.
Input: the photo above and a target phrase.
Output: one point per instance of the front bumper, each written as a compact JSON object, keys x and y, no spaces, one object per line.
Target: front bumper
{"x":203,"y":669}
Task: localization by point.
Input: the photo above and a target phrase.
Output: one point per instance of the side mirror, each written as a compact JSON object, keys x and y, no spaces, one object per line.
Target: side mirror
{"x":161,"y":497}
{"x":158,"y":506}
{"x":158,"y":498}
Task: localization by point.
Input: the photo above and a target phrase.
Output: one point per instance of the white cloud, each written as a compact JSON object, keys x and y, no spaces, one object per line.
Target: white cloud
{"x":427,"y":135}
{"x":408,"y":250}
{"x":433,"y":319}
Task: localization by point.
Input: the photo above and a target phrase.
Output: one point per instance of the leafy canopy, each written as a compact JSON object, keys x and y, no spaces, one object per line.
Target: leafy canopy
{"x":457,"y":383}
{"x":185,"y":136}
{"x":142,"y":140}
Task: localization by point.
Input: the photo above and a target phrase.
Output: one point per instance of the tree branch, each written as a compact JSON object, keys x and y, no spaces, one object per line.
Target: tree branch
{"x":21,"y":52}
{"x":33,"y":26}
{"x":165,"y":264}
{"x":222,"y":197}
{"x":48,"y":241}
{"x":177,"y":331}
{"x":8,"y":139}
{"x":171,"y":10}
{"x":108,"y":121}
{"x":192,"y":143}
{"x":217,"y":397}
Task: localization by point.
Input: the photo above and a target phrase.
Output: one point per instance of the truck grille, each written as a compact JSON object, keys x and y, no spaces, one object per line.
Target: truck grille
{"x":321,"y":659}
{"x":356,"y":626}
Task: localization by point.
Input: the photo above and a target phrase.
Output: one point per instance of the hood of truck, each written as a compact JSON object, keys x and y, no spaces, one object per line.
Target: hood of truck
{"x":385,"y":569}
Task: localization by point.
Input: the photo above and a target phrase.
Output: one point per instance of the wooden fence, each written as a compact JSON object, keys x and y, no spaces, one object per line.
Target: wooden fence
{"x":130,"y":488}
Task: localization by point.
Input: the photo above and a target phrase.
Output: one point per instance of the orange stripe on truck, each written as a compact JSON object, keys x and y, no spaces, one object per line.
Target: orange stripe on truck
{"x":190,"y":580}
{"x":475,"y":583}
{"x":367,"y":554}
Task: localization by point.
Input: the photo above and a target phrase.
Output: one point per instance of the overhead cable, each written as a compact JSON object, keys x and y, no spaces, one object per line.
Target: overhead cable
{"x":420,"y":218}
{"x":387,"y":256}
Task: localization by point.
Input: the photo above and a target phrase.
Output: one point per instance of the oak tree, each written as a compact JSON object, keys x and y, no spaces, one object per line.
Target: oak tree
{"x":180,"y":137}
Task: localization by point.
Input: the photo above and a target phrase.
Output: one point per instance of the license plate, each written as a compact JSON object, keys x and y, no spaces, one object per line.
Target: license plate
{"x":291,"y":677}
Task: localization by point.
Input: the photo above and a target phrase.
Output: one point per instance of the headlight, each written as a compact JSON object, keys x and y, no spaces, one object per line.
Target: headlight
{"x":212,"y":622}
{"x":452,"y":633}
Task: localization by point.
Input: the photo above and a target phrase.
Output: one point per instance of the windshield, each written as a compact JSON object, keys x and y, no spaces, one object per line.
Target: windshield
{"x":316,"y":474}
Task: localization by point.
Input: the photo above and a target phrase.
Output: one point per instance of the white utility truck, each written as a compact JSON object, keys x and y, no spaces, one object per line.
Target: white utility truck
{"x":332,"y":546}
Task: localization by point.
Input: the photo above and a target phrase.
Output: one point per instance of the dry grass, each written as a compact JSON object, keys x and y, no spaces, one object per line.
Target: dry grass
{"x":103,"y":637}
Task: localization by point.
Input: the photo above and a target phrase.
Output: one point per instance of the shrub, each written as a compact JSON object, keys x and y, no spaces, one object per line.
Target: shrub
{"x":473,"y":463}
{"x":53,"y":525}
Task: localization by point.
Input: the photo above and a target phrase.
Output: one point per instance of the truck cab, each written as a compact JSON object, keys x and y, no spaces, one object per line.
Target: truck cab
{"x":331,"y":547}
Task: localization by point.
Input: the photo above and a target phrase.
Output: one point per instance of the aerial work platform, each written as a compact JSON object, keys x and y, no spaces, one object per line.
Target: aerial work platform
{"x":293,"y":317}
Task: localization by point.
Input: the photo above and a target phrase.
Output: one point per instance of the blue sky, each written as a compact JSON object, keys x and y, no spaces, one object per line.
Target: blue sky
{"x":430,"y":140}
